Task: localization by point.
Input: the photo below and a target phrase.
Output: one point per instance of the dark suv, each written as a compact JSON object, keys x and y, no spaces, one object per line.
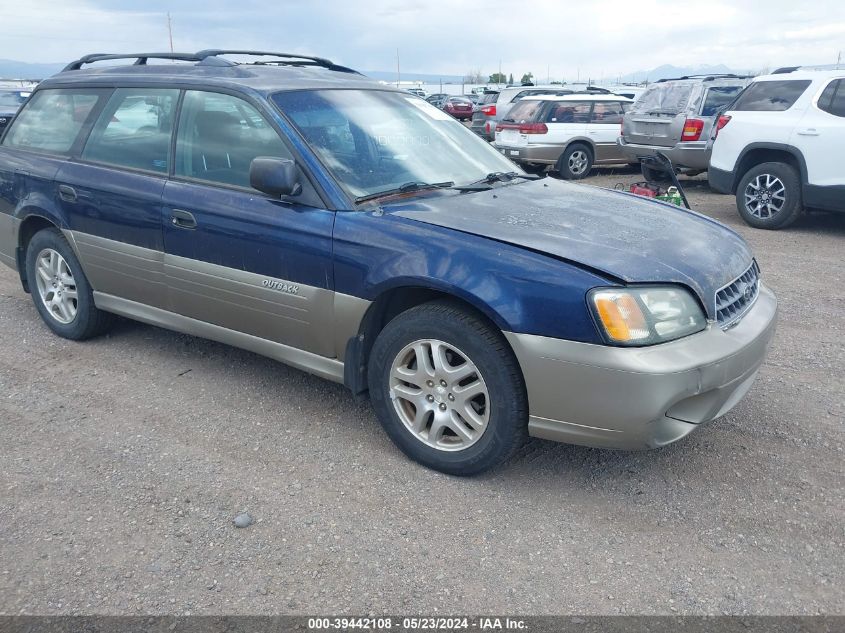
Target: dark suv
{"x":296,"y":209}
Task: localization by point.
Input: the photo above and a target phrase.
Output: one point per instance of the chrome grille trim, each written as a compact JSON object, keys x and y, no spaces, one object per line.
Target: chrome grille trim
{"x":733,"y":300}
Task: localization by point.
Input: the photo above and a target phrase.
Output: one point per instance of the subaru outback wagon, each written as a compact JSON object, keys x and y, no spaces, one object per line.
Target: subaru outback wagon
{"x":296,"y":209}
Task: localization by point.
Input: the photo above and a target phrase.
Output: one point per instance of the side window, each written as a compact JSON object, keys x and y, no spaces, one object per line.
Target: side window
{"x":773,"y":96}
{"x":134,"y":129}
{"x":52,"y":119}
{"x":832,"y":99}
{"x":218,"y":137}
{"x":569,"y":112}
{"x":607,"y":112}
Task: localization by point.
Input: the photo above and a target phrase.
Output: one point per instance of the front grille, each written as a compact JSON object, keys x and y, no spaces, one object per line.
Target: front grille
{"x":735,"y":299}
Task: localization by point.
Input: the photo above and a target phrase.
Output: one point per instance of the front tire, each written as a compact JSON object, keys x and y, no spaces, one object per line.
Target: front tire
{"x":769,"y":196}
{"x":447,"y":389}
{"x":575,"y":163}
{"x":59,"y":288}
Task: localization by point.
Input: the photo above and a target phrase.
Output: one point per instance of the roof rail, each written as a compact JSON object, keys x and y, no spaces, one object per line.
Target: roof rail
{"x":213,"y":57}
{"x":140,"y":58}
{"x":705,"y":77}
{"x":785,"y":69}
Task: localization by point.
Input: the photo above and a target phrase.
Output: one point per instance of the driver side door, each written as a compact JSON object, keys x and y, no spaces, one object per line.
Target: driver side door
{"x":235,"y":257}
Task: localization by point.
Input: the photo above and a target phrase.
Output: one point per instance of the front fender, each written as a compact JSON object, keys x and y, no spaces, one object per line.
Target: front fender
{"x":518,"y":289}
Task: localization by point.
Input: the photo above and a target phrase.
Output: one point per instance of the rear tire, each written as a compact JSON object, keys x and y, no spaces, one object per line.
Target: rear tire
{"x":576,"y":162}
{"x":768,"y":196}
{"x":59,"y":288}
{"x":447,"y":389}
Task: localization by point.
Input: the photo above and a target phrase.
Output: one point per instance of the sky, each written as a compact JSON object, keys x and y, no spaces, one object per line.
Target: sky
{"x":559,"y":39}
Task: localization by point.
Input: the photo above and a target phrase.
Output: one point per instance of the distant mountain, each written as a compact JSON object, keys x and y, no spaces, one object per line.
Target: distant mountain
{"x":667,"y":71}
{"x":11,"y":69}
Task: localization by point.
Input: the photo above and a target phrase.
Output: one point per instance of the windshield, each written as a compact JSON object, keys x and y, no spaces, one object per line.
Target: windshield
{"x":374,"y":140}
{"x":11,"y":99}
{"x":669,"y":98}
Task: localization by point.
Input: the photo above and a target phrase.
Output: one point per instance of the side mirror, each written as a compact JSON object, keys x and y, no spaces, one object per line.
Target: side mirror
{"x":274,"y":176}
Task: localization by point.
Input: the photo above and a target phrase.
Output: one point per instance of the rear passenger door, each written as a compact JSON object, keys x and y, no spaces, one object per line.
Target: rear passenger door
{"x":112,"y":194}
{"x":603,"y":129}
{"x":235,"y":257}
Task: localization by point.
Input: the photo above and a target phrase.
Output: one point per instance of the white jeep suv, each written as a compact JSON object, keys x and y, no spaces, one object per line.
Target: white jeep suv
{"x":779,"y":147}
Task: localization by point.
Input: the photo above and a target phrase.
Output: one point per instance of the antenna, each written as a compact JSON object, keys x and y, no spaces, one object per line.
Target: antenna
{"x":169,"y":31}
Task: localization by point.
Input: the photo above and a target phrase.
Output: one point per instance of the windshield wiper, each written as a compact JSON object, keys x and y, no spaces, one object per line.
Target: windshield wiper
{"x":408,"y":187}
{"x":496,"y":176}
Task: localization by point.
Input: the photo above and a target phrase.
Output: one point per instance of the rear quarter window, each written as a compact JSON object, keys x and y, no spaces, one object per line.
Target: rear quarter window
{"x":569,"y":112}
{"x":774,"y":96}
{"x":52,"y":120}
{"x":832,"y":99}
{"x":718,"y":97}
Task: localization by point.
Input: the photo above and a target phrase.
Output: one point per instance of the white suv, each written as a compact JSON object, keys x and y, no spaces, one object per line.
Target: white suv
{"x":779,"y":147}
{"x":571,"y":133}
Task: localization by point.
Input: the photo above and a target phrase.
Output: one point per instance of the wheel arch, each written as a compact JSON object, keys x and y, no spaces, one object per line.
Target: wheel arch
{"x":31,"y":221}
{"x":580,"y":140}
{"x":390,"y":303}
{"x":758,"y":153}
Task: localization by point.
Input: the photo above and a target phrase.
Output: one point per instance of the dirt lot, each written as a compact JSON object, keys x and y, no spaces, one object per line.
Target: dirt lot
{"x":124,"y":459}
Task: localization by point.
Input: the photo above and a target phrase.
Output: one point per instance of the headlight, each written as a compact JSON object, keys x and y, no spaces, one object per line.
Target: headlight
{"x":646,"y":315}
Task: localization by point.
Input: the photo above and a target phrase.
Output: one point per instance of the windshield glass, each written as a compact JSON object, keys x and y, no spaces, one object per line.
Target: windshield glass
{"x":669,"y":98}
{"x":11,"y":99}
{"x":374,"y":140}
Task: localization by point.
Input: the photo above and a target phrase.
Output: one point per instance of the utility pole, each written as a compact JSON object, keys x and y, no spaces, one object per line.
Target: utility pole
{"x":169,"y":31}
{"x":398,"y":74}
{"x":500,"y":82}
{"x":548,"y":75}
{"x":838,"y":60}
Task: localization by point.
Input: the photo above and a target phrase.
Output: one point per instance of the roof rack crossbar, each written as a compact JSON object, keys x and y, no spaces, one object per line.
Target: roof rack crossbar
{"x":140,"y":58}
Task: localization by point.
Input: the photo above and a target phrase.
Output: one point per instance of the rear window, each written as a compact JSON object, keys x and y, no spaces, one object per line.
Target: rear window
{"x":52,"y":119}
{"x":718,"y":97}
{"x":489,"y":97}
{"x":832,"y":99}
{"x":525,"y":111}
{"x":770,"y":95}
{"x":668,"y":98}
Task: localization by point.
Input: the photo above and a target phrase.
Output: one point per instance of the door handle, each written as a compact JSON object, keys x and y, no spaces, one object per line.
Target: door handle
{"x":67,"y":193}
{"x":183,"y":219}
{"x":809,"y":131}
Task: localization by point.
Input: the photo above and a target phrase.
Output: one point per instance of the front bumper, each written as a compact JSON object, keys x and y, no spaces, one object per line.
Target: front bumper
{"x":537,"y":154}
{"x":646,"y":397}
{"x":689,"y":155}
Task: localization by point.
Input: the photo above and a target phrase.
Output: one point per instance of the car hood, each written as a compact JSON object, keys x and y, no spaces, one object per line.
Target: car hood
{"x":619,"y":234}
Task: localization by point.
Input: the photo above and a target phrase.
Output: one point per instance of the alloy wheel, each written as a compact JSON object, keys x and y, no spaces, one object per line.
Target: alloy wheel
{"x":765,"y":196}
{"x":578,"y":161}
{"x":56,"y":286}
{"x":439,"y":395}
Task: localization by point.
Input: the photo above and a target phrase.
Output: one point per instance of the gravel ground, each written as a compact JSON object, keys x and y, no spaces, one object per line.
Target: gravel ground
{"x":124,"y":460}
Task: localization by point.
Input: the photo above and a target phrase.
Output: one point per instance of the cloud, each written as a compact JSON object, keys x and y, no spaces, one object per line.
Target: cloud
{"x":561,"y":39}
